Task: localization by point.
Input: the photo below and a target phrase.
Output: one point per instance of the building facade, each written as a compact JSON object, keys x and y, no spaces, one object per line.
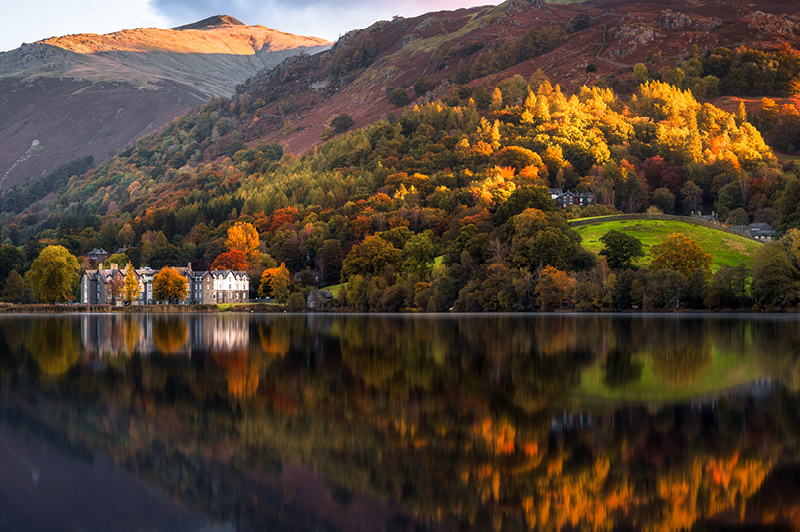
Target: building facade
{"x":106,"y":286}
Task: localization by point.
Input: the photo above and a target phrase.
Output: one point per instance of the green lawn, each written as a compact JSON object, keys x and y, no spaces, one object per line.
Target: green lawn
{"x":725,"y":371}
{"x":726,"y":248}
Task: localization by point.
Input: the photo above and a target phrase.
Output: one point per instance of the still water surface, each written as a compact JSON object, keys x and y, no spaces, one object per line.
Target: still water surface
{"x":342,"y":422}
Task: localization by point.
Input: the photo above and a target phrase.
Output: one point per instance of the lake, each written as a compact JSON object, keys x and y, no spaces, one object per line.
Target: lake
{"x":239,"y":422}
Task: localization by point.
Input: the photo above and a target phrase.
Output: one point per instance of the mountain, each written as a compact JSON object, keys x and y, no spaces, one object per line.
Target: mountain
{"x":87,"y":94}
{"x":596,"y":42}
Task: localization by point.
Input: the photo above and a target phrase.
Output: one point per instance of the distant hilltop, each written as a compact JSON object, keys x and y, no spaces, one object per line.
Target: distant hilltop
{"x":90,"y":94}
{"x":216,"y":21}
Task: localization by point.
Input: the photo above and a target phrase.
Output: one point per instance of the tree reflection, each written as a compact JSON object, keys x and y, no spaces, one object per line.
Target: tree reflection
{"x":462,"y":420}
{"x":681,"y":360}
{"x":53,"y":344}
{"x":170,"y":334}
{"x":620,"y":370}
{"x":241,"y":373}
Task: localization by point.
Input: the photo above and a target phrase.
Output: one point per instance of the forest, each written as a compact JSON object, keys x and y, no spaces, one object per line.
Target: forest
{"x":445,"y":206}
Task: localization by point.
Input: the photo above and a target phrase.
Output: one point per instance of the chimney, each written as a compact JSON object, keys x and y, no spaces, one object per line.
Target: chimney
{"x":100,"y":266}
{"x":115,"y":266}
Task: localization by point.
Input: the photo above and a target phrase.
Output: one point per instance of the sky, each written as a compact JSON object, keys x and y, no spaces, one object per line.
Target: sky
{"x":34,"y":20}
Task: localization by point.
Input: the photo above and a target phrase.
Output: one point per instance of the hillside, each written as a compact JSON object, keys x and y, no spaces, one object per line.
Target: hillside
{"x":726,"y":248}
{"x":591,"y":43}
{"x":88,"y":94}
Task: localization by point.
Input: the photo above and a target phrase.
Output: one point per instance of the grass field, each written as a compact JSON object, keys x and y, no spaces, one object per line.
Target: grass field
{"x":726,"y":248}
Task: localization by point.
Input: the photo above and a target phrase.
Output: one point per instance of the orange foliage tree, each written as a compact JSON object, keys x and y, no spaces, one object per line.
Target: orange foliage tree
{"x":244,"y":237}
{"x":234,"y":260}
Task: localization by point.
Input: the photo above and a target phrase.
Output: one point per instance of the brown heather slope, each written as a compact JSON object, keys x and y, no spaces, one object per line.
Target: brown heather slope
{"x":621,"y":34}
{"x":89,"y":94}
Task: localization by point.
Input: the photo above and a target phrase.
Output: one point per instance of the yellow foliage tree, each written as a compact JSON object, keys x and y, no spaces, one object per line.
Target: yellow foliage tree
{"x":242,"y":236}
{"x":131,"y":289}
{"x":169,"y":285}
{"x":276,"y":281}
{"x":681,"y":254}
{"x":52,"y":275}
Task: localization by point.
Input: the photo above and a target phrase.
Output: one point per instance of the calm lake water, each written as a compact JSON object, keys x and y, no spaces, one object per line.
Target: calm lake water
{"x":399,"y":423}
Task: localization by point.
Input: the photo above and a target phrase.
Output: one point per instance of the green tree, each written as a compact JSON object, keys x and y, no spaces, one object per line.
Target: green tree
{"x":418,"y":256}
{"x":117,"y":258}
{"x":131,"y":289}
{"x":10,"y":259}
{"x":53,"y":275}
{"x":342,"y":123}
{"x":620,"y":249}
{"x":13,"y":288}
{"x":681,"y":254}
{"x":370,"y":257}
{"x":170,"y":286}
{"x":398,"y":97}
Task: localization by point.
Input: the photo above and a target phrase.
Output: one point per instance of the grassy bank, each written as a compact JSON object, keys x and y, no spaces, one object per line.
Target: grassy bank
{"x":726,"y":248}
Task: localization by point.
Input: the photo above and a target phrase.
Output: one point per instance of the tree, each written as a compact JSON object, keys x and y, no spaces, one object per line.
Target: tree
{"x":342,"y":123}
{"x":620,"y":249}
{"x":370,"y":257}
{"x":554,"y":289}
{"x":329,"y":260}
{"x":423,"y":85}
{"x":398,"y":97}
{"x":10,"y":259}
{"x":131,"y":290}
{"x":53,"y":274}
{"x":117,"y":287}
{"x":233,"y":260}
{"x":681,"y":254}
{"x":169,"y":285}
{"x":13,"y":288}
{"x":418,"y":256}
{"x":117,"y":258}
{"x":242,"y":236}
{"x":276,"y":282}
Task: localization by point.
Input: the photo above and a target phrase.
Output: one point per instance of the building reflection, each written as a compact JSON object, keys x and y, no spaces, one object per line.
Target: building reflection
{"x":115,"y":335}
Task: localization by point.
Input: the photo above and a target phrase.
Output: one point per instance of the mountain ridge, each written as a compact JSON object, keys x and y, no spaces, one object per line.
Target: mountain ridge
{"x":89,"y":94}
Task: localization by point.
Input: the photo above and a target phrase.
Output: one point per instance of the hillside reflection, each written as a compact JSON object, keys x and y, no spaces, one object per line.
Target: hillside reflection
{"x":450,"y":422}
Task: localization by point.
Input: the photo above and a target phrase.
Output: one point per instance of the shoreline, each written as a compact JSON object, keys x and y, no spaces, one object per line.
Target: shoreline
{"x":264,"y":308}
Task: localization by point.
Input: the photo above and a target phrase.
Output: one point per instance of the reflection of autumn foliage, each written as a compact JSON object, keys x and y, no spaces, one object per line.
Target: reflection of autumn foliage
{"x":54,"y":345}
{"x":275,"y":338}
{"x":707,"y":488}
{"x":241,"y":373}
{"x":681,"y":360}
{"x":170,"y":334}
{"x":455,"y":419}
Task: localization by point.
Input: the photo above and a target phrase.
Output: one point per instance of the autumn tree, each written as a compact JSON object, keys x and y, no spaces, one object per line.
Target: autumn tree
{"x":371,"y":257}
{"x":131,"y":289}
{"x":681,"y":254}
{"x":53,"y":274}
{"x":169,"y":285}
{"x":276,"y":282}
{"x":242,"y":236}
{"x":554,"y":289}
{"x":233,"y":260}
{"x":620,"y":249}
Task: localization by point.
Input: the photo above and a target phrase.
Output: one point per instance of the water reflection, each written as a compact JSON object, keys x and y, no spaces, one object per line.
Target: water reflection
{"x":496,"y":422}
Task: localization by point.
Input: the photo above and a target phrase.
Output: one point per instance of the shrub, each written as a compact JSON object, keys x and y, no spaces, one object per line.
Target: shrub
{"x":342,"y":123}
{"x":398,"y":97}
{"x":296,"y":303}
